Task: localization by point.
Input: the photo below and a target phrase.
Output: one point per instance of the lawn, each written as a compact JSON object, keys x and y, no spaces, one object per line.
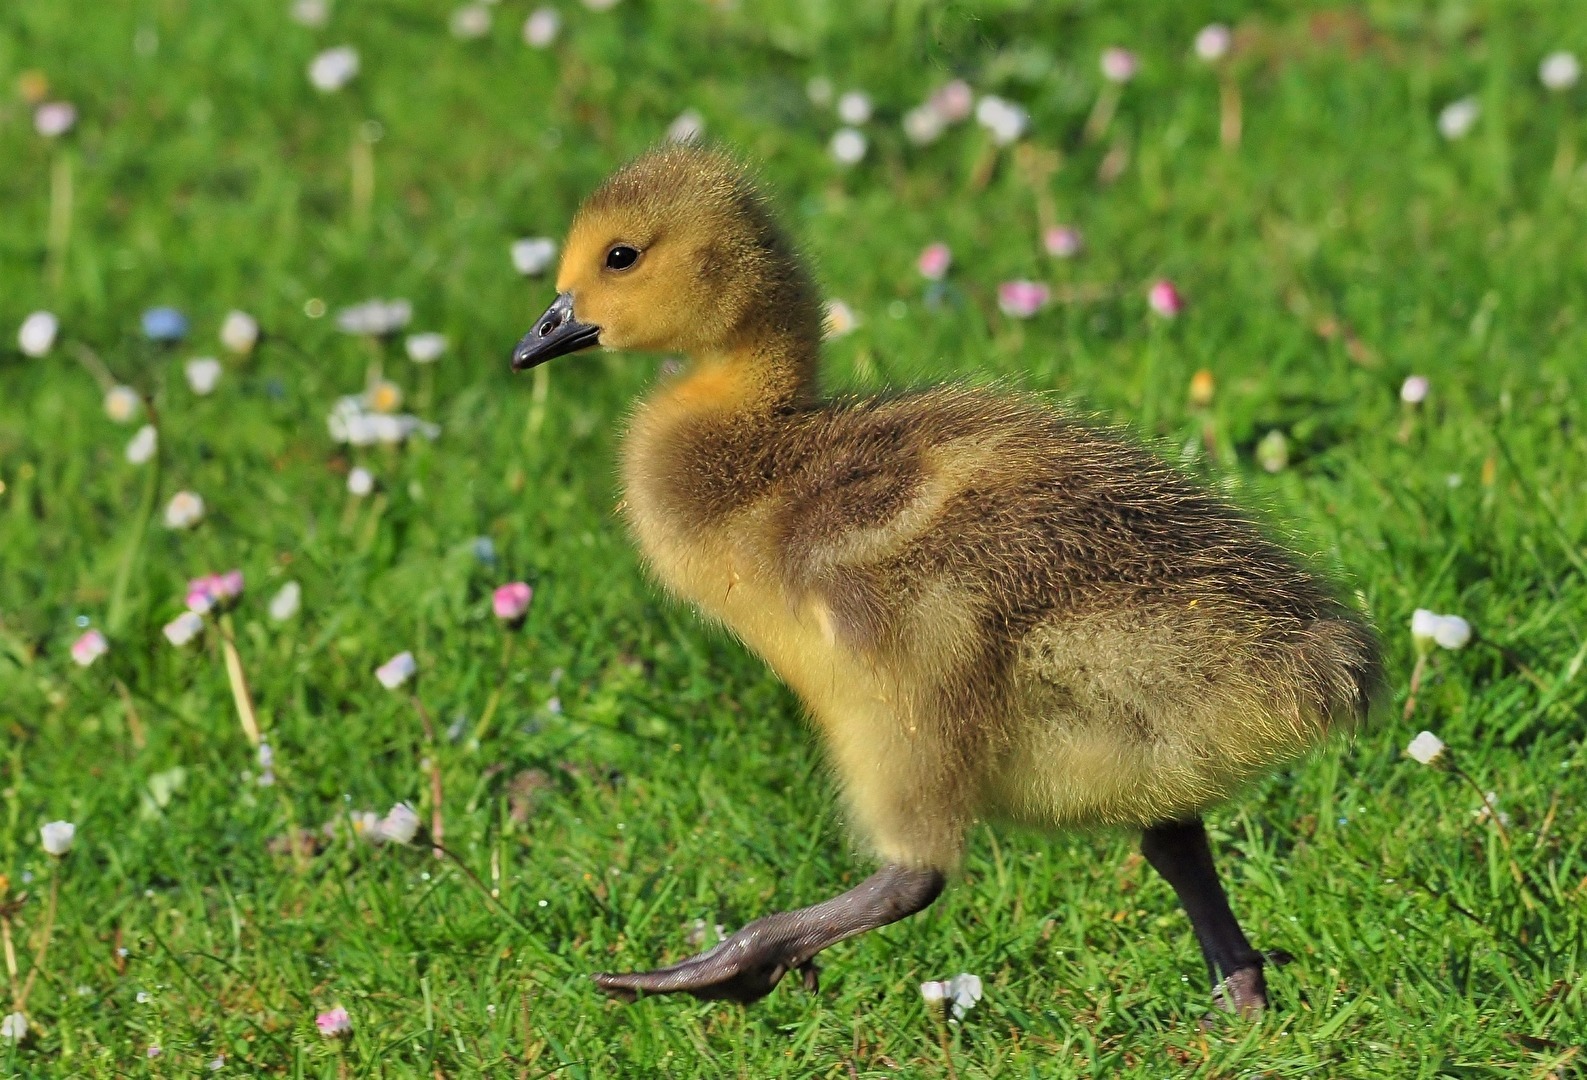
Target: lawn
{"x":617,"y":778}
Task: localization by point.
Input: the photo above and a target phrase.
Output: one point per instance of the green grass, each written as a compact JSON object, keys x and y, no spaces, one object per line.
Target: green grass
{"x":683,"y":785}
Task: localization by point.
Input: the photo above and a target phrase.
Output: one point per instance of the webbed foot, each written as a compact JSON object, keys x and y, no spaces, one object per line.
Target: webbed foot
{"x":748,"y":965}
{"x":744,"y":968}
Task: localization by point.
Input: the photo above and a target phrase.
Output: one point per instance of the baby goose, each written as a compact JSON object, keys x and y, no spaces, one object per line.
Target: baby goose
{"x":988,"y":608}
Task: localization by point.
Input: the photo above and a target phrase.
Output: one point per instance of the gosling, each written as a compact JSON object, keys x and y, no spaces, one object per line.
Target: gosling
{"x":989,"y":609}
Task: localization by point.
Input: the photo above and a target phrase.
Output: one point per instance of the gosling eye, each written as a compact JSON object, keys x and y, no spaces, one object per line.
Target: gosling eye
{"x":621,"y":257}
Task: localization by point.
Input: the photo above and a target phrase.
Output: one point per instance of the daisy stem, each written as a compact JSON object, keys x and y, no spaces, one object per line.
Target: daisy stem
{"x":134,"y":721}
{"x":60,"y":227}
{"x":940,"y":1016}
{"x":1417,"y":673}
{"x":1565,"y":150}
{"x":11,"y":954}
{"x":116,"y":613}
{"x":362,"y":168}
{"x":509,"y":640}
{"x":239,"y":682}
{"x":46,"y":932}
{"x":94,"y":366}
{"x":1230,"y":112}
{"x":538,"y":392}
{"x":1101,"y":117}
{"x":437,"y":823}
{"x":1499,"y":827}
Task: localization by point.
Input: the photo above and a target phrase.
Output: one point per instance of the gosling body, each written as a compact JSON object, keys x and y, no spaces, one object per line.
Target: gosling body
{"x":989,"y":608}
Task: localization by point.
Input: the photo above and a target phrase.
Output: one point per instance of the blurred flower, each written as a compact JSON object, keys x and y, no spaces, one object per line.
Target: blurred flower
{"x":960,"y":992}
{"x":1453,"y":632}
{"x":1213,"y":42}
{"x":934,"y":261}
{"x":1428,"y":628}
{"x":334,"y":1024}
{"x":1164,"y":299}
{"x":212,"y":591}
{"x":267,"y":765}
{"x":1413,"y":391}
{"x":14,"y":1028}
{"x":838,"y":320}
{"x":37,"y":335}
{"x":923,"y":125}
{"x":285,"y":603}
{"x":140,"y":450}
{"x":426,"y":348}
{"x":351,"y":421}
{"x":311,"y":13}
{"x":848,"y":146}
{"x":1424,"y":627}
{"x":184,"y":628}
{"x":820,"y":91}
{"x":1559,"y":70}
{"x":854,"y":108}
{"x":152,"y":1051}
{"x":1202,"y":387}
{"x":1005,"y":120}
{"x":396,"y":671}
{"x":121,"y":403}
{"x":1119,"y":65}
{"x":333,"y":69}
{"x":376,"y":318}
{"x":952,"y":102}
{"x":1426,"y":748}
{"x":164,"y":324}
{"x":239,"y":331}
{"x":185,"y":510}
{"x":510,"y":602}
{"x":400,"y":824}
{"x":365,"y":824}
{"x":384,"y":396}
{"x":1458,"y":118}
{"x":1062,"y":241}
{"x":687,"y":128}
{"x":532,"y":255}
{"x":202,"y":372}
{"x":57,"y":838}
{"x":90,"y":647}
{"x":470,"y":21}
{"x":1272,"y":453}
{"x":1022,"y":299}
{"x":360,"y":481}
{"x":484,"y":549}
{"x":541,"y":27}
{"x":54,"y":118}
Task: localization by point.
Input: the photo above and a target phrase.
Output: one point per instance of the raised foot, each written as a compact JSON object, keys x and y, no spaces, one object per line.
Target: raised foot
{"x":747,"y":965}
{"x":744,"y":968}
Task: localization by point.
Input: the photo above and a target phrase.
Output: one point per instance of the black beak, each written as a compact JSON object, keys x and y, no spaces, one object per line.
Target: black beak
{"x":555,"y":334}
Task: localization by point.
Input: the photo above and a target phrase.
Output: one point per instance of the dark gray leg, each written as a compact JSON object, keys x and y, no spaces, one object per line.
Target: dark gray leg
{"x":747,"y":965}
{"x":1178,"y":850}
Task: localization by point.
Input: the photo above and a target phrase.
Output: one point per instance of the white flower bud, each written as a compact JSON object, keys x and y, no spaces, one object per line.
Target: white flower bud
{"x":57,"y":837}
{"x":1425,"y":748}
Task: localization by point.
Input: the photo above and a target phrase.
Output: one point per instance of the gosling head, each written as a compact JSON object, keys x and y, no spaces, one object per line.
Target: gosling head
{"x":676,"y":252}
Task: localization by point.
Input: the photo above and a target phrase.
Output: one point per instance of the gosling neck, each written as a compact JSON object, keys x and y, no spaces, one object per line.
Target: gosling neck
{"x":757,"y":379}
